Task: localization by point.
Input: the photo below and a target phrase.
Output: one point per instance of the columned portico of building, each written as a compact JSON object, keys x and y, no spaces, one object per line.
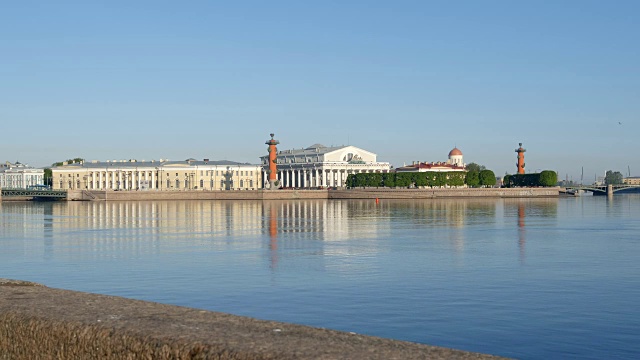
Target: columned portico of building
{"x":313,"y":177}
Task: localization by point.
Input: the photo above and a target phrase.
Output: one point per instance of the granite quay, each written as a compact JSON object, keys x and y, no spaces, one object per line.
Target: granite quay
{"x":41,"y":322}
{"x":367,"y":193}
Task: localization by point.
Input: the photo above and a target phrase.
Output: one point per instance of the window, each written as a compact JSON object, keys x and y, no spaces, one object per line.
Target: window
{"x":177,"y":184}
{"x":241,"y":183}
{"x":168,"y":183}
{"x":201,"y":172}
{"x":201,"y":183}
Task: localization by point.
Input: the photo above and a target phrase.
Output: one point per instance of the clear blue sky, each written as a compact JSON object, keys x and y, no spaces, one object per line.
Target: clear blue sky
{"x":408,"y":80}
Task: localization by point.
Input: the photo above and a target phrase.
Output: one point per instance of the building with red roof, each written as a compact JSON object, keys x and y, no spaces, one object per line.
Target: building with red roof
{"x":454,"y":163}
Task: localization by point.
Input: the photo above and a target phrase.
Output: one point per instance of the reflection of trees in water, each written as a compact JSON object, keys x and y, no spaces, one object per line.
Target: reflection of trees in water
{"x":430,"y":212}
{"x":533,"y":207}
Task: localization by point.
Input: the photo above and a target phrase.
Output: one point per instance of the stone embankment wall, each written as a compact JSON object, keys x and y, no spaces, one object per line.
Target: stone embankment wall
{"x":37,"y":322}
{"x":443,"y":193}
{"x":369,"y":193}
{"x":196,"y":195}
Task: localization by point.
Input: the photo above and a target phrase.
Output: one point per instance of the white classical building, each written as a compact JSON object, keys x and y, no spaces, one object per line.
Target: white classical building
{"x":454,"y":163}
{"x":19,"y":176}
{"x":189,"y":174}
{"x":322,"y":166}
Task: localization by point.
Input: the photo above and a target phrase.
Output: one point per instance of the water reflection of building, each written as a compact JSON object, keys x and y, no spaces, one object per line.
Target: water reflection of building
{"x":132,"y":229}
{"x":340,"y":234}
{"x":321,"y":233}
{"x":19,"y":224}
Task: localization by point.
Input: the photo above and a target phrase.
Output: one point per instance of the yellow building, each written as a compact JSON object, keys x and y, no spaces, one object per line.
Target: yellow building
{"x":631,"y":180}
{"x":157,"y":175}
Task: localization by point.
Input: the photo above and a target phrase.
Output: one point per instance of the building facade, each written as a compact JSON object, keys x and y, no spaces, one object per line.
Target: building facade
{"x":322,"y":166}
{"x":455,"y":162}
{"x":633,"y":180}
{"x":19,"y":176}
{"x":158,"y":175}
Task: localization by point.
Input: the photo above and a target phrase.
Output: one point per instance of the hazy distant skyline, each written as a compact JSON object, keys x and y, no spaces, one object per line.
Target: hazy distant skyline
{"x":408,"y":80}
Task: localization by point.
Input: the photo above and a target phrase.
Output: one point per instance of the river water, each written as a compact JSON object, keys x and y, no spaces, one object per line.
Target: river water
{"x":526,"y":278}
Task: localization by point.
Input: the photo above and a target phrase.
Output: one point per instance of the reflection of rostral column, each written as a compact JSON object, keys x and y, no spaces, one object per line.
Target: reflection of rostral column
{"x":273,"y":232}
{"x":273,"y":170}
{"x":521,"y":230}
{"x":520,"y":164}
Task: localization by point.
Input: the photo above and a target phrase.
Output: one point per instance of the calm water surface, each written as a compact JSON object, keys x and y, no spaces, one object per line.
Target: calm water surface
{"x":525,"y":278}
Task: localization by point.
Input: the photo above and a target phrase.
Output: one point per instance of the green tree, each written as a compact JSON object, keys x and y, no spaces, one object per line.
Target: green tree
{"x":441,"y":178}
{"x":374,"y":179}
{"x":48,"y":176}
{"x":487,"y":178}
{"x":473,"y":178}
{"x":548,"y":178}
{"x":421,"y":179}
{"x":456,"y":178}
{"x":389,"y":180}
{"x":403,"y":179}
{"x":475,"y":167}
{"x":613,"y":178}
{"x":350,"y":180}
{"x":506,"y":180}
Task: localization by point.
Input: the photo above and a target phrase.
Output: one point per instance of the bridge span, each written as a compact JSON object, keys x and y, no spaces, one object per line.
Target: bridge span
{"x":33,"y":193}
{"x":606,"y":189}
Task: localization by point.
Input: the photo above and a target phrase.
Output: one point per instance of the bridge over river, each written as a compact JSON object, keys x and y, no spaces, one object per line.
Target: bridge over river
{"x":34,"y":193}
{"x":605,"y":189}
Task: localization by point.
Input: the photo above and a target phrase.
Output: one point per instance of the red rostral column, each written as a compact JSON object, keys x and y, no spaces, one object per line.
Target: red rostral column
{"x":273,"y":166}
{"x":520,"y":163}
